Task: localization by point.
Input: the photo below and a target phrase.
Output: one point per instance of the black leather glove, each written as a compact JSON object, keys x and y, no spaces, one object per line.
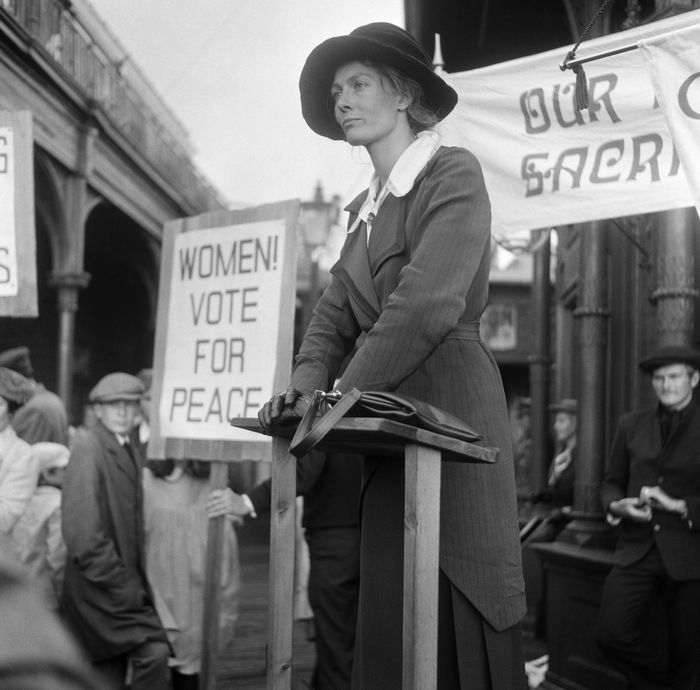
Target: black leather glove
{"x":283,"y":408}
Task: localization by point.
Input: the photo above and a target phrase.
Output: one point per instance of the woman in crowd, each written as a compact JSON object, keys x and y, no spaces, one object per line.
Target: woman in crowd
{"x":413,"y":277}
{"x":175,"y":521}
{"x":18,"y":471}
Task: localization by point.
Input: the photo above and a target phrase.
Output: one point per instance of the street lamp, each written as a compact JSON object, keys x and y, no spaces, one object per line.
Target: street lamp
{"x":316,"y":219}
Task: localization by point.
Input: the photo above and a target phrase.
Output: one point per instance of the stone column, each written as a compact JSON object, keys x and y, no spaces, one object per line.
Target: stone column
{"x":67,"y":287}
{"x":675,"y":293}
{"x":540,"y":360}
{"x":588,"y":527}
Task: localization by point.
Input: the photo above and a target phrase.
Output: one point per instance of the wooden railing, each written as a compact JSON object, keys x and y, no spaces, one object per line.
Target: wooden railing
{"x":54,"y":29}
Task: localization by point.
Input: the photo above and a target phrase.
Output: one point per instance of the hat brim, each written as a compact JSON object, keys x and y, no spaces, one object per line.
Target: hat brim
{"x":317,"y":78}
{"x":650,"y":365}
{"x":116,"y":397}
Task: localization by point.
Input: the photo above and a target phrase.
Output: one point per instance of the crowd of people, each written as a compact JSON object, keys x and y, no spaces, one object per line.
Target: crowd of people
{"x":115,"y":541}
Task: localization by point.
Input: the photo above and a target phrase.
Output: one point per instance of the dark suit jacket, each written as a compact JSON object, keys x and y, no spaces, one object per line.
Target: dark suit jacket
{"x":330,"y":485}
{"x":106,"y":597}
{"x":637,"y":459}
{"x":424,"y":273}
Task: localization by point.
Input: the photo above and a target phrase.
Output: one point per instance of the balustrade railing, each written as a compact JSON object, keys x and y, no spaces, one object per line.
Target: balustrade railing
{"x":58,"y":33}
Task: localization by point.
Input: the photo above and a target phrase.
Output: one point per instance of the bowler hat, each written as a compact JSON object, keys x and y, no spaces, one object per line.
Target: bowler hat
{"x":117,"y":386}
{"x":568,"y":405}
{"x":14,"y":387}
{"x":47,"y":454}
{"x":379,"y":42}
{"x":672,"y":354}
{"x":18,"y":360}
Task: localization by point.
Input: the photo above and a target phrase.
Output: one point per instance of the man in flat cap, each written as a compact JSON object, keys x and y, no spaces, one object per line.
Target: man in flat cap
{"x":43,"y":417}
{"x":651,"y":491}
{"x":106,"y":597}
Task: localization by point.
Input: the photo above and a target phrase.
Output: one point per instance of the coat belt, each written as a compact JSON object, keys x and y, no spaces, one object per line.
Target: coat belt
{"x":464,"y":330}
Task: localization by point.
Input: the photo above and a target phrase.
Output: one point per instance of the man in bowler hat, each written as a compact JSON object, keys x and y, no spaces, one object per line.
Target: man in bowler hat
{"x":106,"y":599}
{"x":43,"y":417}
{"x":651,"y":492}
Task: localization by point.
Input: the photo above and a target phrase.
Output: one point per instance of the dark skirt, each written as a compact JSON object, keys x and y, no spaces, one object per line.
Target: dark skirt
{"x":471,"y":654}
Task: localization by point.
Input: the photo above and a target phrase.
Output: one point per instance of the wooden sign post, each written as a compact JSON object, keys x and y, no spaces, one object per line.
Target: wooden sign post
{"x":18,"y":289}
{"x":224,"y":340}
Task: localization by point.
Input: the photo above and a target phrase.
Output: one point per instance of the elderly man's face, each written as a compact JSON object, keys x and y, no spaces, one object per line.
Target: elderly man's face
{"x":118,"y":416}
{"x":673,"y":385}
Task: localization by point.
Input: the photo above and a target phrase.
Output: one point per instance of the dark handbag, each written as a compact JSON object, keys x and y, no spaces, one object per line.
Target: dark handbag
{"x":326,"y":409}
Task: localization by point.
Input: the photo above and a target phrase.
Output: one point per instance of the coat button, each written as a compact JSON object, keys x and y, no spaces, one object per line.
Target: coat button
{"x":657,"y":528}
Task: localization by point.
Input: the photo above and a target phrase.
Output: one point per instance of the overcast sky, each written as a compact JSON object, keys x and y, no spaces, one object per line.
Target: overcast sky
{"x":229,"y":70}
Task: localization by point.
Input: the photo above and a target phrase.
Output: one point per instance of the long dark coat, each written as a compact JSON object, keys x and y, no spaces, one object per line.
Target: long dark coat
{"x":417,"y":291}
{"x":638,"y":458}
{"x":106,"y":597}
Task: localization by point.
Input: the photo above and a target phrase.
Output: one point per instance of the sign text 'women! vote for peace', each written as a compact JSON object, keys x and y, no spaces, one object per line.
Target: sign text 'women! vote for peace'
{"x":225,"y":325}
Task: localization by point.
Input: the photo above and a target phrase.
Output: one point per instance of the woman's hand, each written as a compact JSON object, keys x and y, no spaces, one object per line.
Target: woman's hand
{"x":283,"y":407}
{"x":226,"y":502}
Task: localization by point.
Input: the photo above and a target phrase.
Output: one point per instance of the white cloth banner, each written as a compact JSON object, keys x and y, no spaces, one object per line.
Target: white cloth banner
{"x":548,"y":164}
{"x":673,"y":61}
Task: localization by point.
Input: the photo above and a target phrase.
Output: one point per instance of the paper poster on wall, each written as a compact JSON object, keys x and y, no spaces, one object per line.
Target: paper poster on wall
{"x":18,"y":280}
{"x":8,"y":252}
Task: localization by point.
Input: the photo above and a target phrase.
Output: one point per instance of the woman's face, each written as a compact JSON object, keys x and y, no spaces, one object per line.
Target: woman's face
{"x":4,"y":413}
{"x":366,"y":110}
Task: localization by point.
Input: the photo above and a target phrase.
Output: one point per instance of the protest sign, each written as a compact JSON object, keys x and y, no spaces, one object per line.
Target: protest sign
{"x":547,"y":163}
{"x":673,"y":61}
{"x":18,"y":287}
{"x":224,"y":332}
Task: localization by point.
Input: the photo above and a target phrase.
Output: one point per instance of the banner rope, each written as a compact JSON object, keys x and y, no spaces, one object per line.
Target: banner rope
{"x":581,"y":94}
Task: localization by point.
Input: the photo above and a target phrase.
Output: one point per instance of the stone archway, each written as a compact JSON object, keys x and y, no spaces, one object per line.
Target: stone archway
{"x":115,"y":322}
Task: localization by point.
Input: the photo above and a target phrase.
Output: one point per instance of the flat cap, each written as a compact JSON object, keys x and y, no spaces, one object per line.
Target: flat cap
{"x":18,"y":360}
{"x":47,"y":455}
{"x":14,"y":387}
{"x":117,"y":386}
{"x":568,"y":405}
{"x":672,"y":354}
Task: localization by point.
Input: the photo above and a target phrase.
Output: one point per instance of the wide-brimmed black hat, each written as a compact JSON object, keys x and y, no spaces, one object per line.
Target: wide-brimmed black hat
{"x":379,"y":42}
{"x":672,"y":354}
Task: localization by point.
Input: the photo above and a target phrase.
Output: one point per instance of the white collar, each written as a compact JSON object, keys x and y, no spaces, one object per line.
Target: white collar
{"x":402,"y":176}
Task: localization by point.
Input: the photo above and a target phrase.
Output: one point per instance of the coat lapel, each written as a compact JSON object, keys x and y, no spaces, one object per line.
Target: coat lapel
{"x":353,"y":270}
{"x":388,"y":237}
{"x":121,"y":460}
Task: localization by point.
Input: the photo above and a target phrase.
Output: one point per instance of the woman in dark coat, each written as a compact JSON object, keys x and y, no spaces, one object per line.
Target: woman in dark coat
{"x":413,"y":276}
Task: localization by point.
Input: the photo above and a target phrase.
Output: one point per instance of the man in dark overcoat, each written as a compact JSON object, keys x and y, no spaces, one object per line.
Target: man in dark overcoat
{"x":651,"y":491}
{"x":107,"y":600}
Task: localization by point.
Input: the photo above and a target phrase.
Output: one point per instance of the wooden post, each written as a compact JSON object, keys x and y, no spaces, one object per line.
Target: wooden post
{"x":421,"y":570}
{"x":282,"y":544}
{"x":218,"y":479}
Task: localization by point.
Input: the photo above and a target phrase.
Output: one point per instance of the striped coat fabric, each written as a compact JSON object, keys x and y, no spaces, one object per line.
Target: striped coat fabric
{"x":417,"y":291}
